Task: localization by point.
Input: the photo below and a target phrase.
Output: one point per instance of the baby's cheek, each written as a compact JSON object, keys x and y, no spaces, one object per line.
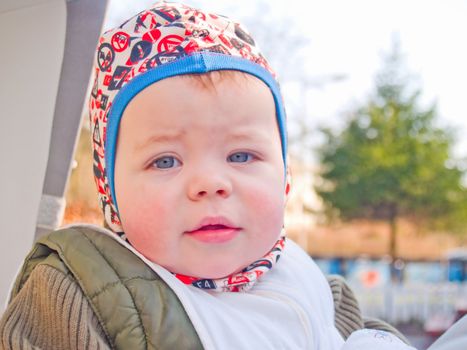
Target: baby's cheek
{"x":143,"y":221}
{"x":268,"y":205}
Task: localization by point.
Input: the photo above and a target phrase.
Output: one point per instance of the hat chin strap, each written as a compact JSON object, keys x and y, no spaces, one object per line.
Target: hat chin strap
{"x":243,"y":280}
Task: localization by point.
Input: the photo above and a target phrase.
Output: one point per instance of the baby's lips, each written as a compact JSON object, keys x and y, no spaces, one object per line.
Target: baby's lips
{"x":214,"y":234}
{"x":212,"y":228}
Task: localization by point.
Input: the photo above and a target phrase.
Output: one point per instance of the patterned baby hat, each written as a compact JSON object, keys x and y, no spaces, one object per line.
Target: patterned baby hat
{"x":166,"y":40}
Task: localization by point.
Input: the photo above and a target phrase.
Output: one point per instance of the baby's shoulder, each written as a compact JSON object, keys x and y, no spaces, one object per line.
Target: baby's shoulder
{"x":90,"y":255}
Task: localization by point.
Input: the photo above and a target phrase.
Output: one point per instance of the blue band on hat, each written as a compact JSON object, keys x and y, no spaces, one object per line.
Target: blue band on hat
{"x":199,"y":62}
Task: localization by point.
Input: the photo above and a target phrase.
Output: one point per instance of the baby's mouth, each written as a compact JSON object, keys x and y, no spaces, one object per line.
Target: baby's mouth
{"x":214,"y":233}
{"x":212,"y":227}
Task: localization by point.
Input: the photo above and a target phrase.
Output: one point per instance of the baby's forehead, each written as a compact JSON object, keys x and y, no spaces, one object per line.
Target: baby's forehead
{"x":174,"y":93}
{"x":177,"y":91}
{"x":236,"y":98}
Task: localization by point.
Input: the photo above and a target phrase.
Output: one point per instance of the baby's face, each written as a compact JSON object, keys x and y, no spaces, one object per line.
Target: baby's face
{"x":199,"y":175}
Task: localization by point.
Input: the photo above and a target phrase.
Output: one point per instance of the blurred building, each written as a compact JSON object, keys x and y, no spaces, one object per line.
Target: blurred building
{"x":303,"y":204}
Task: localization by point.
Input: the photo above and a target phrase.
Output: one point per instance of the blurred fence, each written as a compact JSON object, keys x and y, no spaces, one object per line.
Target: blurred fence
{"x":401,"y":303}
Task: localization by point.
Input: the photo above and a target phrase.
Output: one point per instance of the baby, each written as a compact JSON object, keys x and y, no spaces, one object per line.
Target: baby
{"x":189,"y":139}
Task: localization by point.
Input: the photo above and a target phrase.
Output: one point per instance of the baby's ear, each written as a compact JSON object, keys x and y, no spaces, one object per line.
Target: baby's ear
{"x":288,"y":184}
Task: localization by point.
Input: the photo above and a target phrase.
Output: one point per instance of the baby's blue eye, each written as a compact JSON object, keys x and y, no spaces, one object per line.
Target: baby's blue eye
{"x":240,"y":157}
{"x":166,"y":162}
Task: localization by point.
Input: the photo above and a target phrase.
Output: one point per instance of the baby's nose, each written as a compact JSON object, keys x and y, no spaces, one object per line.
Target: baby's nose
{"x":209,"y":185}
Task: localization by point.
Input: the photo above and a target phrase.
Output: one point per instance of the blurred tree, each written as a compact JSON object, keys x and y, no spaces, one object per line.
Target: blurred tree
{"x":391,"y":160}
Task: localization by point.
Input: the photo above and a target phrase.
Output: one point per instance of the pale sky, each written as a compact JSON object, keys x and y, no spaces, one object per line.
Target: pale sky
{"x":348,"y":37}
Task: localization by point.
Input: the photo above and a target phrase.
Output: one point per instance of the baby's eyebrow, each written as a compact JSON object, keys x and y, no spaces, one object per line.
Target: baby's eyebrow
{"x":248,"y":136}
{"x":162,"y":138}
